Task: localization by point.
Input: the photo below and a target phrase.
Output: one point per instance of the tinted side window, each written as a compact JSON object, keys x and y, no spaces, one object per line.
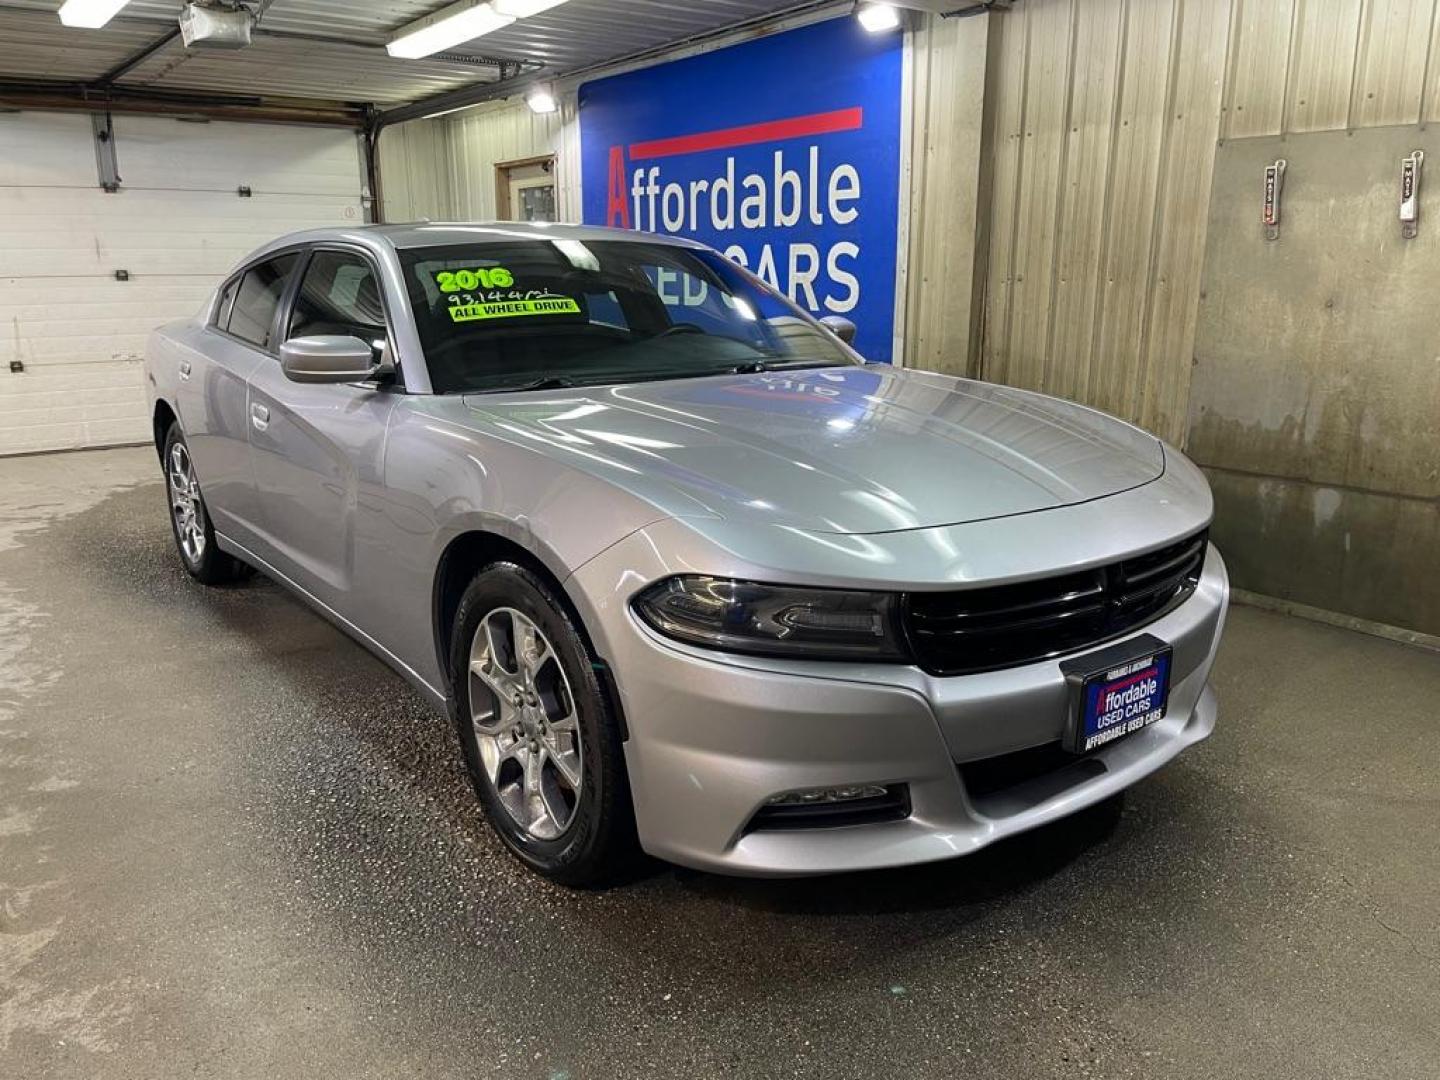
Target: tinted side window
{"x":253,"y":313}
{"x":222,"y":309}
{"x":339,"y":295}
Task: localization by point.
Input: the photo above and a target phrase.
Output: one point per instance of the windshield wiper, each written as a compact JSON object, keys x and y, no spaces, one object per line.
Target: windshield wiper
{"x":754,"y":367}
{"x":549,"y":382}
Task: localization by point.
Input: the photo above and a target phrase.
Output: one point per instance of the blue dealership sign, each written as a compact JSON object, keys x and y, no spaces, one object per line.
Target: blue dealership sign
{"x":783,"y":152}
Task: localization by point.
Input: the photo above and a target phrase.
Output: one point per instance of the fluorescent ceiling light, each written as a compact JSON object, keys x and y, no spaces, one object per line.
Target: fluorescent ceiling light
{"x":541,"y":99}
{"x":453,"y":25}
{"x":523,"y":9}
{"x":445,"y":112}
{"x":878,"y":17}
{"x":448,"y":27}
{"x":90,"y":14}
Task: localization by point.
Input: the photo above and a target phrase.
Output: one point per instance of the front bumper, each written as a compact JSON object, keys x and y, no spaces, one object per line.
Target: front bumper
{"x":712,"y":737}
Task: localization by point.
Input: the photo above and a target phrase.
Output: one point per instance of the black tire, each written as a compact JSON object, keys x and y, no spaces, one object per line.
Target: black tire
{"x":204,"y":561}
{"x":598,"y":844}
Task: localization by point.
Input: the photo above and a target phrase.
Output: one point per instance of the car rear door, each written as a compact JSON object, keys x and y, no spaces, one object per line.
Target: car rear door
{"x":317,"y":449}
{"x":211,"y":400}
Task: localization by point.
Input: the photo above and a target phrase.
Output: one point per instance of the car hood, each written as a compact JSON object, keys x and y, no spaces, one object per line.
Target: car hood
{"x":832,"y":450}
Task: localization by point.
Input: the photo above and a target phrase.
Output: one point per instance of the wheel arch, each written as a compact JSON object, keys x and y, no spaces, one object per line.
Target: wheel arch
{"x":464,"y":556}
{"x":160,"y":422}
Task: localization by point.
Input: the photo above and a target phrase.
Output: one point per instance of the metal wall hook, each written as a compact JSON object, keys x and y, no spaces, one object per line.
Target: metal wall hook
{"x":1410,"y":193}
{"x":1274,"y":186}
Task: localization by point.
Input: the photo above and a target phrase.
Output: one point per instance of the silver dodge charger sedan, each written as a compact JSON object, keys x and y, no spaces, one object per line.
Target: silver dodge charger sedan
{"x":685,"y":570}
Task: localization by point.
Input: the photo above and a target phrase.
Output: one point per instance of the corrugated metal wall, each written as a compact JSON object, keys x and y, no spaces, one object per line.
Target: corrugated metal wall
{"x":445,"y":168}
{"x":1107,"y":114}
{"x":499,"y":132}
{"x":947,"y":225}
{"x":415,"y":173}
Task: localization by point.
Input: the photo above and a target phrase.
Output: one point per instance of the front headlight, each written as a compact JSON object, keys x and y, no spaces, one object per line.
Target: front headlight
{"x":774,"y":620}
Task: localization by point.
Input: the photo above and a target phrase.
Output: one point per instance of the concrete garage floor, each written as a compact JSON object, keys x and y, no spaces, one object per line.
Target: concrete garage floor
{"x":234,"y":845}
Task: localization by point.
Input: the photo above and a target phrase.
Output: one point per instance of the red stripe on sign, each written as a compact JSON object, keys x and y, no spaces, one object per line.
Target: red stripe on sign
{"x":770,"y":131}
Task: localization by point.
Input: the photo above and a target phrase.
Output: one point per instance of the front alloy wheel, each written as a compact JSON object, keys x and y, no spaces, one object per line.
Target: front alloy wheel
{"x":526,"y":725}
{"x":541,"y":734}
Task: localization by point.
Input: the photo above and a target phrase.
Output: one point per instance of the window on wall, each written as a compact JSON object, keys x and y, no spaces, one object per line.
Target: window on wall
{"x":533,"y":200}
{"x":252,"y":315}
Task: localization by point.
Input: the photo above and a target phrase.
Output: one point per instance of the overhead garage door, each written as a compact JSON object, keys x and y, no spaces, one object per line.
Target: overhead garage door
{"x":86,"y":275}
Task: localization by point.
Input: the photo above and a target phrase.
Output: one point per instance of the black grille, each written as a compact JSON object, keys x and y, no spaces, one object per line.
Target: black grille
{"x":955,"y":633}
{"x":996,"y":775}
{"x":894,"y":805}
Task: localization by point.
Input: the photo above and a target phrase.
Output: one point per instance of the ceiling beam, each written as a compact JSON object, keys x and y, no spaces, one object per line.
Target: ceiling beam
{"x":138,"y":57}
{"x":71,"y":97}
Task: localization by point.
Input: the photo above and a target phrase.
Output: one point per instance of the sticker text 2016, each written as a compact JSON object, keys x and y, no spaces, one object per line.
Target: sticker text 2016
{"x":453,"y":281}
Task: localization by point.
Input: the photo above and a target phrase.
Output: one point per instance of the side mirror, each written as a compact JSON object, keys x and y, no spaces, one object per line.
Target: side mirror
{"x":328,"y":358}
{"x":841,"y":327}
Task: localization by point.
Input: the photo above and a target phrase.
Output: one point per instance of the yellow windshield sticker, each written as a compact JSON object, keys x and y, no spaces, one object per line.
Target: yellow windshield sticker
{"x":505,"y":309}
{"x":456,"y":281}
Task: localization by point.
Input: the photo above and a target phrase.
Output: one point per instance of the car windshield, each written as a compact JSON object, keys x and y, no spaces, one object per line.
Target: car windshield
{"x":533,"y":313}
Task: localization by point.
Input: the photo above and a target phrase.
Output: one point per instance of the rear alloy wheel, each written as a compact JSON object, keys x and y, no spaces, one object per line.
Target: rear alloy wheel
{"x":541,"y":738}
{"x":194,"y":535}
{"x":186,"y":508}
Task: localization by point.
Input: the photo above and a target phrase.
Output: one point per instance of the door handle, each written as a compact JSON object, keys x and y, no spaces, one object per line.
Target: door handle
{"x":260,"y":417}
{"x":185,"y":369}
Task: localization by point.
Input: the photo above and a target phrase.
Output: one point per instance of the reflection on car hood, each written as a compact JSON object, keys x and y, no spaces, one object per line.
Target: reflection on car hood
{"x":840,"y":450}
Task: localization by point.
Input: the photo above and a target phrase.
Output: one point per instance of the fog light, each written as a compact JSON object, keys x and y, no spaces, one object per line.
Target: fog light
{"x":832,"y":808}
{"x":810,"y":796}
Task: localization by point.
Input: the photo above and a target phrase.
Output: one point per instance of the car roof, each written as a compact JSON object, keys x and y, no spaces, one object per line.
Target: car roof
{"x":413,"y":234}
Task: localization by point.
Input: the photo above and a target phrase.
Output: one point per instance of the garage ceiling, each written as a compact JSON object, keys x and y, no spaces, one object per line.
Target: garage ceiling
{"x":333,"y":50}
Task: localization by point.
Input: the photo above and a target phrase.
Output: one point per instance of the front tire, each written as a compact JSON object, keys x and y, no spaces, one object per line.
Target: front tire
{"x":541,"y":742}
{"x":190,"y":521}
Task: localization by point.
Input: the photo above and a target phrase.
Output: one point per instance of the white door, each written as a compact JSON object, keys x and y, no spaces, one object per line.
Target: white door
{"x":178,"y":224}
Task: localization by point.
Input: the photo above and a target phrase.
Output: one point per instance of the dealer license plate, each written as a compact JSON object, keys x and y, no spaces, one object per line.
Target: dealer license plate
{"x":1116,"y":692}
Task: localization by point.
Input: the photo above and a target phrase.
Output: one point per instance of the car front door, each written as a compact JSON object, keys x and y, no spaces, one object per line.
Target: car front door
{"x":212,"y":399}
{"x":317,"y":449}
